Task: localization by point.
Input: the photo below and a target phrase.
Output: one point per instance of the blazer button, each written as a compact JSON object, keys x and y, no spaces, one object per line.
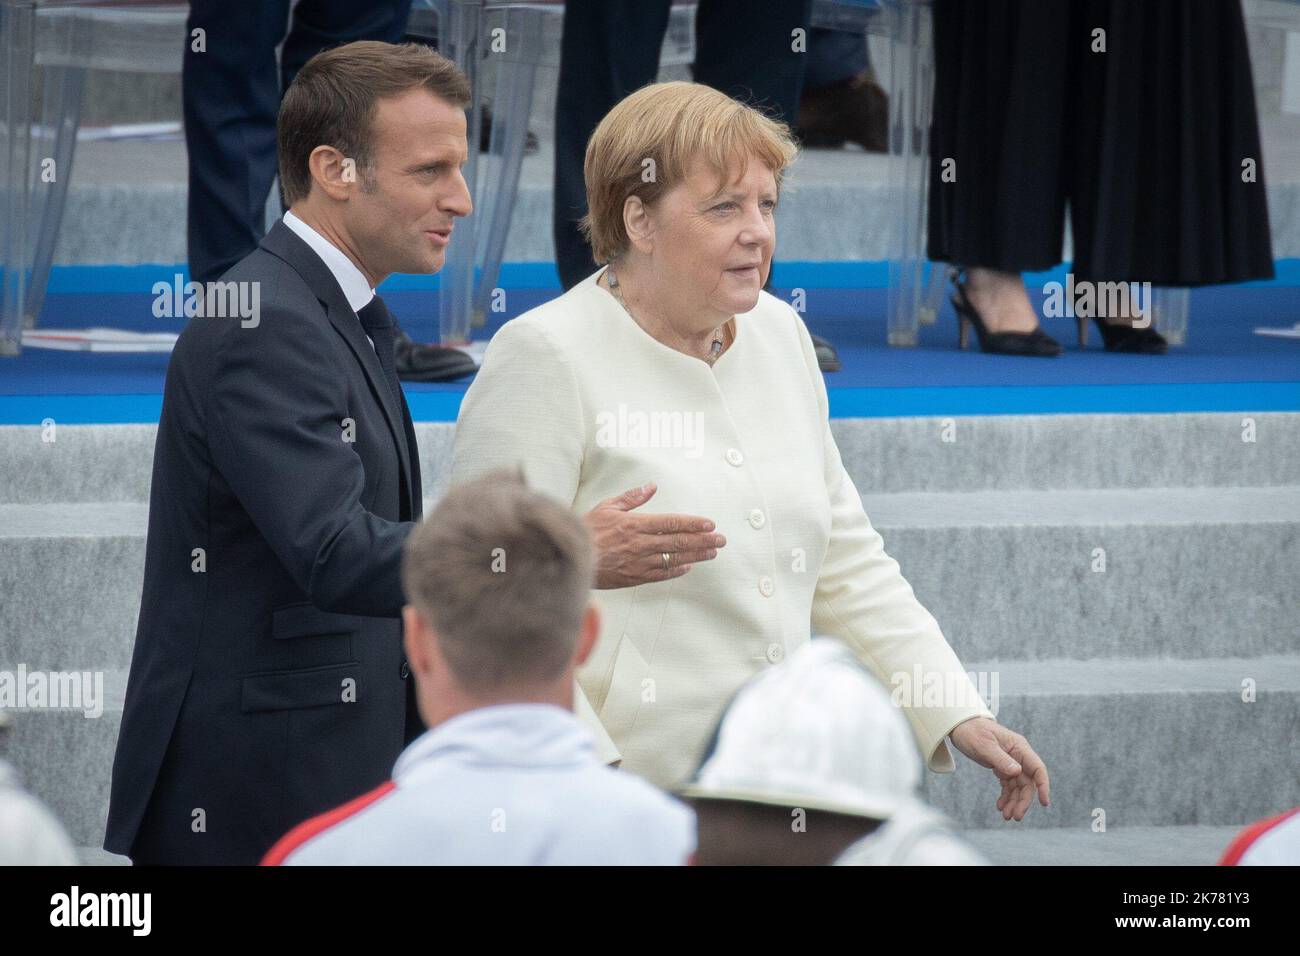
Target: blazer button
{"x":775,"y":653}
{"x":404,"y":671}
{"x":765,"y":586}
{"x":757,"y":519}
{"x":734,"y":457}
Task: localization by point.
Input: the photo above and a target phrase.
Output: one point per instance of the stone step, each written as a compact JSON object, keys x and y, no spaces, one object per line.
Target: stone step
{"x":1189,"y":573}
{"x":1007,"y":452}
{"x":1013,"y":845}
{"x":1151,"y":743}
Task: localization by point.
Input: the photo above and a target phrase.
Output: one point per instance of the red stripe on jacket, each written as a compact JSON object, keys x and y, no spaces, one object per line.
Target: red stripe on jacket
{"x":319,"y":824}
{"x":1238,"y":847}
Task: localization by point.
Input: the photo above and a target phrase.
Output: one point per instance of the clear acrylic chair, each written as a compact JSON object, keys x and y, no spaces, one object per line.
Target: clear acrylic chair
{"x":916,"y":285}
{"x":500,"y":47}
{"x":46,"y":48}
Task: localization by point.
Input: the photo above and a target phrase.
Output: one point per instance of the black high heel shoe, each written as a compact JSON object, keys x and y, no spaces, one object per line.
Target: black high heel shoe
{"x":1125,"y":338}
{"x":1037,"y":342}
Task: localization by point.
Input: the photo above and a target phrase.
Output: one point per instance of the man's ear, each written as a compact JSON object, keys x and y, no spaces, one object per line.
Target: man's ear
{"x":334,"y":173}
{"x":415,"y":639}
{"x":589,"y":634}
{"x":637,"y":223}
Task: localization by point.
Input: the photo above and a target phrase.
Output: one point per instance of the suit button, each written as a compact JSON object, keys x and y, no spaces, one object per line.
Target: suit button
{"x":404,"y":671}
{"x":775,"y":653}
{"x":765,"y":586}
{"x":757,"y":519}
{"x":734,"y":457}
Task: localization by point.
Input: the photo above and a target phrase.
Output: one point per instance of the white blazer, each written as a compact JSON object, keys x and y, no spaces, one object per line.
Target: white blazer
{"x":592,"y":405}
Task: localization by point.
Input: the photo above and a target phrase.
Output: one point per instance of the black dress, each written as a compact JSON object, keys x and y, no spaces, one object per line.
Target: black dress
{"x":1145,"y":141}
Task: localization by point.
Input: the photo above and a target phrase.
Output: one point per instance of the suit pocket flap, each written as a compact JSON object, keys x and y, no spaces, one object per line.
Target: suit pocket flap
{"x":307,"y":620}
{"x":312,"y":687}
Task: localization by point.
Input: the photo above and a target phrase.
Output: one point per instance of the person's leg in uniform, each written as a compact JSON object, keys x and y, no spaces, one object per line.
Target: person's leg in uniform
{"x":747,"y":50}
{"x":321,"y":24}
{"x":230,"y":92}
{"x":609,"y":49}
{"x":833,"y":57}
{"x":841,"y":100}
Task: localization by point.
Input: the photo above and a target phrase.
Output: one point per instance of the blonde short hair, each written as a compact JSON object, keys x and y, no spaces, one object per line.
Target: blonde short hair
{"x":646,"y":144}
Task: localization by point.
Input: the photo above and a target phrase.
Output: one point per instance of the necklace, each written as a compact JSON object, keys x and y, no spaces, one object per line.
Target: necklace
{"x":714,"y":350}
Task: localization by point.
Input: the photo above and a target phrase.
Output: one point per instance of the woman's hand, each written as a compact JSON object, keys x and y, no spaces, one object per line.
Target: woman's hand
{"x":630,"y":547}
{"x":1007,"y":754}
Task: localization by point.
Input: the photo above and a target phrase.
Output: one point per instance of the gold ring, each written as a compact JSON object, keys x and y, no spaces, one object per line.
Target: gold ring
{"x":664,"y":555}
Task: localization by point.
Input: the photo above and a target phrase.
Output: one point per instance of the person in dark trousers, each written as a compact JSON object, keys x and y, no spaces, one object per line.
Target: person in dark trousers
{"x":610,"y":48}
{"x":1139,"y":115}
{"x":268,"y":681}
{"x":230,"y":89}
{"x":841,"y":101}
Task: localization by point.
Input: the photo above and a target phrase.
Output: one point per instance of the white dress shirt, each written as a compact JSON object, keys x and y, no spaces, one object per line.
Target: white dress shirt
{"x":513,"y":784}
{"x":351,"y":280}
{"x":592,"y":405}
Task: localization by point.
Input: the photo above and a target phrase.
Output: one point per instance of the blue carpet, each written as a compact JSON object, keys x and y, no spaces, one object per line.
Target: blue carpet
{"x":1224,"y":366}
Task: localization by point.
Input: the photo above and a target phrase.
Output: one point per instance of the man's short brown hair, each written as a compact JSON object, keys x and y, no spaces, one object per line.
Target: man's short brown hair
{"x":504,"y":575}
{"x":331,"y":102}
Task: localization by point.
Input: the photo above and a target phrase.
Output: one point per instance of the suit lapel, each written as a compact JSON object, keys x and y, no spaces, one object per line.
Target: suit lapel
{"x":282,"y":243}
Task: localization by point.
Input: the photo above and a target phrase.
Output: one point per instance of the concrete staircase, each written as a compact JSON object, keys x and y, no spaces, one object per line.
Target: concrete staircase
{"x":1129,"y":681}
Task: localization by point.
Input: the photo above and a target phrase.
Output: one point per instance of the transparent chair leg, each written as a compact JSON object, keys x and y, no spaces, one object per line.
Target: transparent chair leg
{"x":515,"y":81}
{"x":461,"y":34}
{"x":932,"y":301}
{"x":1170,"y":306}
{"x":909,"y":299}
{"x":62,"y":112}
{"x":17,"y":60}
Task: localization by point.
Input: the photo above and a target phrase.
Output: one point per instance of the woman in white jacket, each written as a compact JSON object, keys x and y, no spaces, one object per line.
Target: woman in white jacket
{"x":671,"y":370}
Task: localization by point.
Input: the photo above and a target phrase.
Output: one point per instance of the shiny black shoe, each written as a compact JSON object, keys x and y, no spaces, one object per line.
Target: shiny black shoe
{"x":1125,"y":338}
{"x":417,"y":362}
{"x":1035,"y":343}
{"x":827,"y":358}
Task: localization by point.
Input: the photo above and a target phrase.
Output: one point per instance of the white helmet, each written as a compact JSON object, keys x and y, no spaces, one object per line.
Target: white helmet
{"x":817,"y":732}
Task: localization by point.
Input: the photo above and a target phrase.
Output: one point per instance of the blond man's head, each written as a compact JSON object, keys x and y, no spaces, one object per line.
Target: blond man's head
{"x":501,"y":577}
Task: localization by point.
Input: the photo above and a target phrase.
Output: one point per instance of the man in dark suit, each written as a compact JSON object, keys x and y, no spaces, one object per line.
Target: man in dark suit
{"x":268,"y":681}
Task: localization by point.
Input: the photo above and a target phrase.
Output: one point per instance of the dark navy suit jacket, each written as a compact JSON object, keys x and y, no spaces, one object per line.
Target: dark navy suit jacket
{"x":268,"y":682}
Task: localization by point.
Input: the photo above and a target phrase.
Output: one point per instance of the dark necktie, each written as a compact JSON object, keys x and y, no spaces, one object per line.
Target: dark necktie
{"x":378,"y":323}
